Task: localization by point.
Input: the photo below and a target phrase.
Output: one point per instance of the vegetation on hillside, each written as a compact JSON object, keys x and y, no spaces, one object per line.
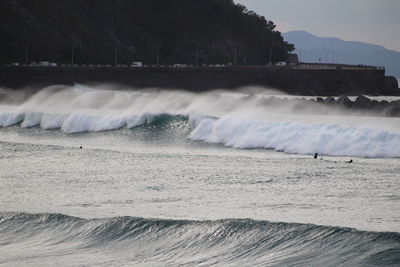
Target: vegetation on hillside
{"x":175,"y":31}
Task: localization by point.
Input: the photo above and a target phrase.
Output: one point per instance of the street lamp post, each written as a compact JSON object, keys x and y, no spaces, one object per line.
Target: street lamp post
{"x":27,"y":52}
{"x":270,"y":49}
{"x":158,"y":55}
{"x":270,"y":52}
{"x":197,"y":57}
{"x":235,"y":57}
{"x":116,"y":55}
{"x":72,"y":53}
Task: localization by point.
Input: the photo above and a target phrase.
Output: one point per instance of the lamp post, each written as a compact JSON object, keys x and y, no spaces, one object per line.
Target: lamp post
{"x":270,"y":52}
{"x":72,"y":52}
{"x":27,"y":52}
{"x":235,"y":61}
{"x":158,"y":55}
{"x":116,"y":55}
{"x":197,"y":57}
{"x":301,"y":53}
{"x":270,"y":49}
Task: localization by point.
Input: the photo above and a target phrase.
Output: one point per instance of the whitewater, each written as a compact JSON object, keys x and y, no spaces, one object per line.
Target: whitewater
{"x":236,"y":120}
{"x":101,"y":175}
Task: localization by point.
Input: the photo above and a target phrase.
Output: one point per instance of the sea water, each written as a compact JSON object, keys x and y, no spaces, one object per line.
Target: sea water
{"x":95,"y":176}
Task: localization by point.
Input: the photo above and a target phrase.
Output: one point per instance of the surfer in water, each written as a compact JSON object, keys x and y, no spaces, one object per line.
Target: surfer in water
{"x":350,"y":161}
{"x":315,"y":155}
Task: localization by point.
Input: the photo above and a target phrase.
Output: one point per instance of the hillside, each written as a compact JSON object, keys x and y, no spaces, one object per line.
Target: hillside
{"x":311,"y":48}
{"x":95,"y":30}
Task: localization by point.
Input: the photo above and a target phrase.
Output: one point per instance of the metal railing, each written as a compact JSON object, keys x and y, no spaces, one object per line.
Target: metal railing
{"x":336,"y":66}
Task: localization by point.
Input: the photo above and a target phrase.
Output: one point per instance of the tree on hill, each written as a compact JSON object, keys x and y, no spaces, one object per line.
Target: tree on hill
{"x":178,"y":31}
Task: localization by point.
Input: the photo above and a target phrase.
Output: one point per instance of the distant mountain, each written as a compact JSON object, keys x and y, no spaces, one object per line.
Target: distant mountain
{"x":312,"y":48}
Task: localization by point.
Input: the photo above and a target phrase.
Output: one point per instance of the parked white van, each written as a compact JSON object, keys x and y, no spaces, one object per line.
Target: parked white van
{"x":137,"y":64}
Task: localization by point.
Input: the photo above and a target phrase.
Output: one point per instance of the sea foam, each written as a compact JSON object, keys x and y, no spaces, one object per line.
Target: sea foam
{"x":292,"y":137}
{"x":232,"y":119}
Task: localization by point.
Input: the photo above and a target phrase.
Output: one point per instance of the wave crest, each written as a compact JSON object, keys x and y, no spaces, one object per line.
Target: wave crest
{"x":232,"y":119}
{"x":208,"y":242}
{"x":289,"y":137}
{"x":299,"y":138}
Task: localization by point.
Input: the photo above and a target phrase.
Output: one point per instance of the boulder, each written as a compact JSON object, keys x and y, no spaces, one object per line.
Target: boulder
{"x":344,"y":101}
{"x":330,"y":100}
{"x":363,"y":102}
{"x":393,"y":110}
{"x":384,"y":104}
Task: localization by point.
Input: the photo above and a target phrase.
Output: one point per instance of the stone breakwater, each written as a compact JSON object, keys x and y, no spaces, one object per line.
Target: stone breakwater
{"x":324,"y":82}
{"x":359,"y":104}
{"x":383,"y":107}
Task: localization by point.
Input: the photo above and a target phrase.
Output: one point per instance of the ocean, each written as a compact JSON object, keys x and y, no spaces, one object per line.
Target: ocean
{"x":106,"y":176}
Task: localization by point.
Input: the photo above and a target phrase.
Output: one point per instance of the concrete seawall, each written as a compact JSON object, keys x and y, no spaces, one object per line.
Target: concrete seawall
{"x":290,"y":80}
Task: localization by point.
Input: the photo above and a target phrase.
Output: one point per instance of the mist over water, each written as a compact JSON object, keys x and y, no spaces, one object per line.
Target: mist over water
{"x":102,"y":176}
{"x":247,"y":118}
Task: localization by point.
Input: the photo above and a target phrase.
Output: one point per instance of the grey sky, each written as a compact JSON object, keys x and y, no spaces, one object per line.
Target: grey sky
{"x":372,"y":21}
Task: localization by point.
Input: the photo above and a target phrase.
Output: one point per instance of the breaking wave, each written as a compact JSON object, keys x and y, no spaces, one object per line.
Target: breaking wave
{"x":239,"y":121}
{"x":224,"y":242}
{"x":289,"y":137}
{"x":299,"y":138}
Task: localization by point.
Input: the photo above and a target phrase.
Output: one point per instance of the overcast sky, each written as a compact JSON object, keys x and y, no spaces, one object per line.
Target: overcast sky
{"x":372,"y":21}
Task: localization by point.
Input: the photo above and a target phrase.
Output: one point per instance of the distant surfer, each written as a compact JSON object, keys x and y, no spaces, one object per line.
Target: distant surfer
{"x":315,"y":155}
{"x":80,"y":147}
{"x":350,"y":161}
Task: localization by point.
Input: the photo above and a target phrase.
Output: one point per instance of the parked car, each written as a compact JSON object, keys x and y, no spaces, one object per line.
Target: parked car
{"x":180,"y":65}
{"x":137,"y":64}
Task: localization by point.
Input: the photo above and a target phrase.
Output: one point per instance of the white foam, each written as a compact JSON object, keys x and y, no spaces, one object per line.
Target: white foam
{"x":328,"y":139}
{"x":80,"y":122}
{"x":145,"y":118}
{"x":31,"y":119}
{"x":10,"y":118}
{"x":52,"y":121}
{"x":238,"y":120}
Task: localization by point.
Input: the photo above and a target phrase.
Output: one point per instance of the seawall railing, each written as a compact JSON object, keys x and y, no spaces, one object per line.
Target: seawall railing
{"x":336,"y":66}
